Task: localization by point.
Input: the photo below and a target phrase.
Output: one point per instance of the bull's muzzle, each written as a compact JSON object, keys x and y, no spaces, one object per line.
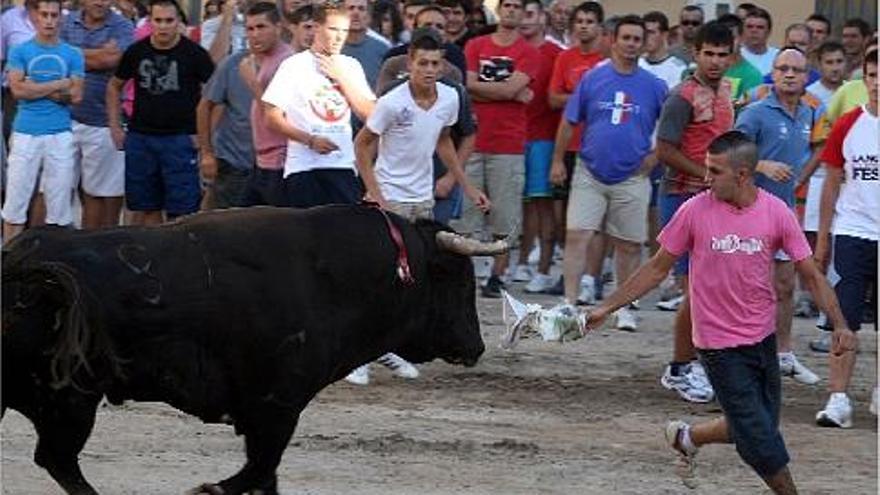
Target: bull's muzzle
{"x":460,"y":244}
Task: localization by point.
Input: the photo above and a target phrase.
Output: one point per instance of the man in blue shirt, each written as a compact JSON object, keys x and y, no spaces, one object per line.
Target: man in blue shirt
{"x":102,"y":35}
{"x":785,"y":130}
{"x":46,"y":77}
{"x":619,"y":103}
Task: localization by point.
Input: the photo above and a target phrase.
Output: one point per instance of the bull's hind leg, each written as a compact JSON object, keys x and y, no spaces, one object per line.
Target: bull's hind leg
{"x":63,"y":427}
{"x":266,"y":434}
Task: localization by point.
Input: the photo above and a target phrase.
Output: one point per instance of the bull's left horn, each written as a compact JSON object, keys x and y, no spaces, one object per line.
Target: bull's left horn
{"x":470,"y":247}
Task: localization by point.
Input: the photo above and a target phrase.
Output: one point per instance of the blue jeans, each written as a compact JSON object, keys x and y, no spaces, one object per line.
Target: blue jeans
{"x":668,"y":205}
{"x":747,"y":383}
{"x":447,"y":208}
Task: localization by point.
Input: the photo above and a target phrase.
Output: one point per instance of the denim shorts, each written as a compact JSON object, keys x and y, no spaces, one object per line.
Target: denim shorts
{"x":539,"y":156}
{"x":747,"y":383}
{"x":855,"y":260}
{"x":669,"y":204}
{"x":161,"y":173}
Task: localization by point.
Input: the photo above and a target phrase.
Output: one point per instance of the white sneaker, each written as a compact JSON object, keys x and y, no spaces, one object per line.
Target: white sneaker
{"x":669,"y":288}
{"x":539,"y":283}
{"x":685,"y":466}
{"x":635,"y":305}
{"x":522,"y":273}
{"x":625,"y":320}
{"x":535,"y":254}
{"x":587,"y":295}
{"x":671,"y":304}
{"x":360,"y":375}
{"x":691,"y":385}
{"x":401,"y":367}
{"x":837,"y":412}
{"x":558,"y":253}
{"x":873,"y":407}
{"x":791,"y":367}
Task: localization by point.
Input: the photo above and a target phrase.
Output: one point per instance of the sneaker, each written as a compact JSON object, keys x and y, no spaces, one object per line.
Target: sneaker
{"x":685,"y":466}
{"x":522,"y":273}
{"x":837,"y":412}
{"x":635,"y":305}
{"x":822,"y":343}
{"x":482,"y":266}
{"x":558,"y":289}
{"x":625,"y":320}
{"x":791,"y":367}
{"x":492,"y":288}
{"x":671,"y":304}
{"x":873,"y":407}
{"x":401,"y":367}
{"x":535,"y":255}
{"x":539,"y":283}
{"x":691,"y":385}
{"x":587,"y":295}
{"x":804,"y":309}
{"x":669,"y":288}
{"x":360,"y":375}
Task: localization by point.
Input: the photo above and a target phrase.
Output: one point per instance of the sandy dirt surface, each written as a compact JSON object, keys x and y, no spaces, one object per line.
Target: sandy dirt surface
{"x":578,"y":418}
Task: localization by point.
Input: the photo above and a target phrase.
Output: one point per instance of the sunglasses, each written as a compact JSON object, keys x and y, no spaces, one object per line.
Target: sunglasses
{"x":691,"y":23}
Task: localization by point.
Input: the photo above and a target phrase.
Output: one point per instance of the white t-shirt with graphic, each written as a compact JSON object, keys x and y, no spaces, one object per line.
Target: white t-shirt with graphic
{"x":315,"y":104}
{"x":408,"y":137}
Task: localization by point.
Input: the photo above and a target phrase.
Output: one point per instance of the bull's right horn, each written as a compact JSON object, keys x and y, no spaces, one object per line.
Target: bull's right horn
{"x":456,"y":243}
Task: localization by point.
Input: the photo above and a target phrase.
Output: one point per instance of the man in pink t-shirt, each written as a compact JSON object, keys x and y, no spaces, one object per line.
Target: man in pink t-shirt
{"x":732,"y":232}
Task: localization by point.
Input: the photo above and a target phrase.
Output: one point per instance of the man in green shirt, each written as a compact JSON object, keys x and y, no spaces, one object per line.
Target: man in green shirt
{"x":743,"y":76}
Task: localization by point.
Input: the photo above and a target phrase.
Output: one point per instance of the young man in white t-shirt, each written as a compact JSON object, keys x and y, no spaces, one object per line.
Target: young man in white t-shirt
{"x":310,"y":100}
{"x":407,"y":125}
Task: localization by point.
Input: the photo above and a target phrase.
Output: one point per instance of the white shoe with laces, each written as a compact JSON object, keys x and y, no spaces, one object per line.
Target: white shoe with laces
{"x":522,"y":273}
{"x":837,"y":412}
{"x":685,"y":466}
{"x":401,"y":367}
{"x":534,"y":255}
{"x":671,"y":304}
{"x":691,"y":384}
{"x":625,"y":320}
{"x":790,"y":366}
{"x":359,"y":375}
{"x":587,"y":295}
{"x":539,"y":283}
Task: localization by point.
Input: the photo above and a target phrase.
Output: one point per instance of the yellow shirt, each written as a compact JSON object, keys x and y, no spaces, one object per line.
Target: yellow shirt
{"x":851,"y":95}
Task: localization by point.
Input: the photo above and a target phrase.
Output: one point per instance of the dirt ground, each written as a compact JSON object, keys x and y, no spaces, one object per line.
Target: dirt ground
{"x":578,"y":418}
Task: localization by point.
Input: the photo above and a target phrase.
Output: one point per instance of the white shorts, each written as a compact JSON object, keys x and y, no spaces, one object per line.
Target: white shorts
{"x":29,"y":157}
{"x":100,"y":166}
{"x":814,"y":197}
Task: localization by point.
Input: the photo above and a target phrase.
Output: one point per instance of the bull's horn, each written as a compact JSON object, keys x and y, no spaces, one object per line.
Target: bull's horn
{"x":470,"y":247}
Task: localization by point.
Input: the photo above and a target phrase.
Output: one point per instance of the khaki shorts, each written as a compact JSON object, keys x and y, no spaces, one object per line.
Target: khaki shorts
{"x":622,"y":206}
{"x":502,"y":178}
{"x":413,"y":211}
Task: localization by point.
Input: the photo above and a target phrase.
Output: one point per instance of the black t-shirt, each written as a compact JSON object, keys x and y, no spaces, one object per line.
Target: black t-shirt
{"x":167,"y":85}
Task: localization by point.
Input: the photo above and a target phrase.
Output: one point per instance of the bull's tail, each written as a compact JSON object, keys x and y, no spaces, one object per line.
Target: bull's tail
{"x":81,"y":342}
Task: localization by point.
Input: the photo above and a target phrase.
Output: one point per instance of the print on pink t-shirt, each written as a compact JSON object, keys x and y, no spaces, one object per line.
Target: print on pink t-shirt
{"x":731,"y":257}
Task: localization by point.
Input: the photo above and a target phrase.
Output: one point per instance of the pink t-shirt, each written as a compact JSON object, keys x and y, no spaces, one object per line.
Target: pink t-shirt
{"x":271,"y":147}
{"x":731,"y":258}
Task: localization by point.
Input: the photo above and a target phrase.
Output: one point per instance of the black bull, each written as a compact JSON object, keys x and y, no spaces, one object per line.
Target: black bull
{"x":239,"y":317}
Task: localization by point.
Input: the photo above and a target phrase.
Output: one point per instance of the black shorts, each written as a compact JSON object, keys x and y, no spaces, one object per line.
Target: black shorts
{"x":855,"y":260}
{"x":569,"y":160}
{"x":265,"y":188}
{"x":322,"y":187}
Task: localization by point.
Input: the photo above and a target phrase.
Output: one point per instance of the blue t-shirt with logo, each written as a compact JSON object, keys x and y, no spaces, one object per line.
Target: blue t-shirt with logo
{"x":620,"y":112}
{"x":782,"y":137}
{"x":44,"y":63}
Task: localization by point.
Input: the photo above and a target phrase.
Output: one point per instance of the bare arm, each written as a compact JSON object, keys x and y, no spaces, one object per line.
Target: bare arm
{"x":497,"y":91}
{"x":361,"y":102}
{"x":103,"y":58}
{"x":822,"y":292}
{"x":204,"y":130}
{"x":114,"y":112}
{"x":644,"y":279}
{"x":563,"y":136}
{"x":366,"y":145}
{"x":827,"y":204}
{"x":811,"y":166}
{"x":557,"y":100}
{"x":24,"y":89}
{"x":276,"y":121}
{"x":669,"y":154}
{"x":223,"y":39}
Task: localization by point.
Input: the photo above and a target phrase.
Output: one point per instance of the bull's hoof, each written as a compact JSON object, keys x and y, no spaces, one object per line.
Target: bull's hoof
{"x":206,"y":489}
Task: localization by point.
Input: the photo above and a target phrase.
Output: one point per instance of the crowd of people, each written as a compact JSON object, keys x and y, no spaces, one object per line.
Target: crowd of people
{"x":576,"y":134}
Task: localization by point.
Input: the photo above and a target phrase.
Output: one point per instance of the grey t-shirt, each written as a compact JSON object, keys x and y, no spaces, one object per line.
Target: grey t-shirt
{"x":232,"y":137}
{"x":369,"y":52}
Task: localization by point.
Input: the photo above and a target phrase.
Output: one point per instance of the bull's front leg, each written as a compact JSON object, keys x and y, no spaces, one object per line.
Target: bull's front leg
{"x":267,"y":432}
{"x":63,"y":427}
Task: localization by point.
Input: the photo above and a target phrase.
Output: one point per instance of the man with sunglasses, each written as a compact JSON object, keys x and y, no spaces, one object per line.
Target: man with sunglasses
{"x":690,"y":20}
{"x":786,"y":130}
